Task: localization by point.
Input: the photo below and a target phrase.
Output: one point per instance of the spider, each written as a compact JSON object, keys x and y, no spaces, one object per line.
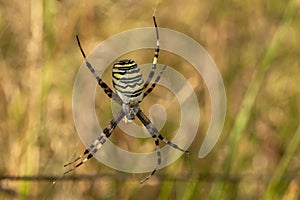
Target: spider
{"x":129,"y":91}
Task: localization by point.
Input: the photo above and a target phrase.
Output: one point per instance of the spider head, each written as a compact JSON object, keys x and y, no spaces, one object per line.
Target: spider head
{"x":130,"y":111}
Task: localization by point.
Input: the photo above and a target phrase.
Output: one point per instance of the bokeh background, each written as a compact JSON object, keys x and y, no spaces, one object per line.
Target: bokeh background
{"x":255,"y":45}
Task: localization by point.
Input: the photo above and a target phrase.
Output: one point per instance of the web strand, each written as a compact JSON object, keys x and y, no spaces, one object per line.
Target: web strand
{"x":155,"y":7}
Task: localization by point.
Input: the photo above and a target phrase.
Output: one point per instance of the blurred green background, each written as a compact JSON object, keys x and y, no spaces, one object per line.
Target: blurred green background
{"x":255,"y":45}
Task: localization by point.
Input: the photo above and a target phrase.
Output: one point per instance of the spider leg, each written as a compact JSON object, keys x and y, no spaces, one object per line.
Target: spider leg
{"x":151,"y":74}
{"x":157,"y":148}
{"x":152,"y":129}
{"x":97,"y":144}
{"x":149,"y":90}
{"x":155,"y":135}
{"x":101,"y":83}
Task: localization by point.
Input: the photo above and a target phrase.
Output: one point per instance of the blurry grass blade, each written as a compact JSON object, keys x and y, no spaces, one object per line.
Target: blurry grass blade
{"x":166,"y":189}
{"x":191,"y":189}
{"x":252,"y":92}
{"x":278,"y":174}
{"x":31,"y":164}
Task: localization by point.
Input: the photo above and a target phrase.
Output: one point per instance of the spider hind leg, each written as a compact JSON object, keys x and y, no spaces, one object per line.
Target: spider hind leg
{"x":87,"y":154}
{"x":158,"y":159}
{"x":97,"y":144}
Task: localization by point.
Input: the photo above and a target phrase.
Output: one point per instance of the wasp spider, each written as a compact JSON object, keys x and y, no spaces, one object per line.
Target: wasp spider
{"x":129,"y":91}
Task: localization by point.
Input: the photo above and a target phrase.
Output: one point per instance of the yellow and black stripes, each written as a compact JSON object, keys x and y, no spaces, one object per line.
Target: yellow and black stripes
{"x":128,"y":81}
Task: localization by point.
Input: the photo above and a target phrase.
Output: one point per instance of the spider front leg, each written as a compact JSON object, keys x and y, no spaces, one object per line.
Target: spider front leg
{"x":101,"y":83}
{"x":149,"y":90}
{"x":97,"y":144}
{"x":155,"y":58}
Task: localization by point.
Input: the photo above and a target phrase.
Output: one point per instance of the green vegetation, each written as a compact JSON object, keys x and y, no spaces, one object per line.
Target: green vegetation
{"x":255,"y":45}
